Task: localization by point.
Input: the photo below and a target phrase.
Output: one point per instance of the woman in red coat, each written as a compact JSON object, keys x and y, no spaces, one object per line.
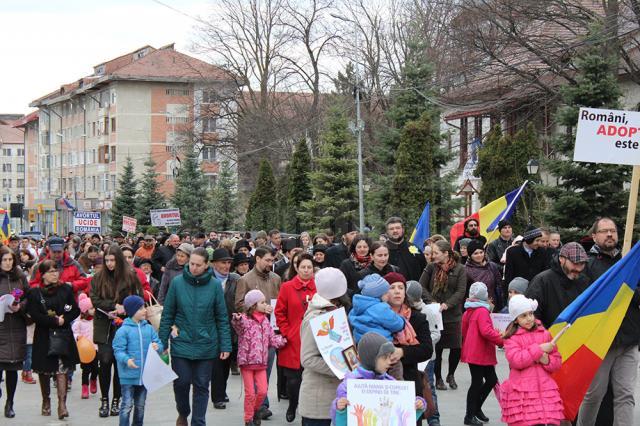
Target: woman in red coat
{"x":292,"y":303}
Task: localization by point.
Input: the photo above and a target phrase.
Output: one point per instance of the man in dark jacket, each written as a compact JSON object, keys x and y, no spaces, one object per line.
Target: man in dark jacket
{"x":472,"y":231}
{"x":619,"y":369}
{"x":528,"y":259}
{"x":335,"y":254}
{"x":163,"y":254}
{"x":403,"y":254}
{"x":497,"y":247}
{"x":557,"y":287}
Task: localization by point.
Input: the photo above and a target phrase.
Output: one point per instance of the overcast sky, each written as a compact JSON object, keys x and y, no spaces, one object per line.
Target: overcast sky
{"x":45,"y":43}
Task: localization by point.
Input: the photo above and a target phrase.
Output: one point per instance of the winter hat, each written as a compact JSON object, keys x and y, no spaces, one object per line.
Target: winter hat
{"x":502,"y":223}
{"x":319,"y":248}
{"x":253,"y":297}
{"x":473,"y":246}
{"x":574,"y":252}
{"x":519,"y":285}
{"x":414,"y":292}
{"x":330,"y":283}
{"x":531,"y":234}
{"x":56,"y":244}
{"x":132,"y":304}
{"x":395,"y":277}
{"x":185,"y":248}
{"x":478,"y":290}
{"x":464,"y":242}
{"x":519,"y":304}
{"x":84,"y":303}
{"x":371,"y":347}
{"x":373,"y":286}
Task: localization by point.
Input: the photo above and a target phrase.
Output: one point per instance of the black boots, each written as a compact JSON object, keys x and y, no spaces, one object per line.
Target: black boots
{"x":103,"y":411}
{"x":8,"y":410}
{"x":115,"y":407}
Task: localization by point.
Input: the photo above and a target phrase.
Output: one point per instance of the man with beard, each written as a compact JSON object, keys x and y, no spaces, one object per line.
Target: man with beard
{"x":619,"y":368}
{"x":335,"y":254}
{"x":556,"y":288}
{"x":403,"y":254}
{"x":471,"y":230}
{"x":497,"y":247}
{"x":163,"y":254}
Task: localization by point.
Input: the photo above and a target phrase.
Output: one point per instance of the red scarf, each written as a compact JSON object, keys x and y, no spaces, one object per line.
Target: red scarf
{"x":360,"y":262}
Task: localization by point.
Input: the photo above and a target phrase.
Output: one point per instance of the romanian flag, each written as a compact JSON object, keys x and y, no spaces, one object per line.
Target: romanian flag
{"x":489,"y":215}
{"x":594,"y":319}
{"x":421,"y":232}
{"x":5,"y":228}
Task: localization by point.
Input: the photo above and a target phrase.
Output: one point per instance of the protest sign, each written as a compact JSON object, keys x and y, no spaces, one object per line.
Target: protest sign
{"x":500,"y":321}
{"x":434,"y":308}
{"x":333,"y":336}
{"x":383,"y":402}
{"x":129,"y":224}
{"x":156,"y":373}
{"x":165,"y":217}
{"x":87,"y":222}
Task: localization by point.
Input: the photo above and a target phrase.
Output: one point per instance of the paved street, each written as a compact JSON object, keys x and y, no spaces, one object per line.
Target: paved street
{"x":161,"y":407}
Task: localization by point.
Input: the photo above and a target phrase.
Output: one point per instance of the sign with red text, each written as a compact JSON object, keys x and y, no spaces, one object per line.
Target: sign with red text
{"x":87,"y":222}
{"x":608,"y":136}
{"x":165,"y":217}
{"x":129,"y":224}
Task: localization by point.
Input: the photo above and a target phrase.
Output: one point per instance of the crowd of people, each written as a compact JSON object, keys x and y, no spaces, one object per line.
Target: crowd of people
{"x":217,"y":294}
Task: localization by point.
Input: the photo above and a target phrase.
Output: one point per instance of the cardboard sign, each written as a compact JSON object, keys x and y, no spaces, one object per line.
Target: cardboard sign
{"x":129,"y":224}
{"x":333,"y":336}
{"x":608,"y":136}
{"x":382,"y":402}
{"x":500,"y":321}
{"x":434,"y":309}
{"x":87,"y":222}
{"x":165,"y":217}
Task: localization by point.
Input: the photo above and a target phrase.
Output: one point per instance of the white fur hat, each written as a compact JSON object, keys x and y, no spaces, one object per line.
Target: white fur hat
{"x":330,"y":283}
{"x":519,"y":304}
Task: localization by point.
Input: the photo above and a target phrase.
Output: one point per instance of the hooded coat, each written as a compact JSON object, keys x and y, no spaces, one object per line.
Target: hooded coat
{"x":132,"y":342}
{"x":372,"y":314}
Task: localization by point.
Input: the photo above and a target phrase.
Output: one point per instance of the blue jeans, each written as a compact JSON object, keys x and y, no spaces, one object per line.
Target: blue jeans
{"x":27,"y":358}
{"x":432,"y":383}
{"x":197,"y":373}
{"x":133,"y":397}
{"x":272,"y":356}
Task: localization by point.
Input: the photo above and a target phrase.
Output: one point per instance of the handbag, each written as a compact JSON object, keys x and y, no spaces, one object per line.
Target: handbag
{"x":154,"y":312}
{"x":59,"y":338}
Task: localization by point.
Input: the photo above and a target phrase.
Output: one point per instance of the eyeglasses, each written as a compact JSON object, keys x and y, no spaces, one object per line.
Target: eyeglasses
{"x":607,"y":231}
{"x":55,"y":271}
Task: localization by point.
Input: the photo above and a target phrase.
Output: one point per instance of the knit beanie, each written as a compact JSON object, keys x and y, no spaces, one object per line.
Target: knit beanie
{"x":414,"y":292}
{"x":519,"y":304}
{"x":253,"y":297}
{"x":330,"y":283}
{"x":84,"y":303}
{"x":502,"y":223}
{"x":373,"y":286}
{"x":473,"y":246}
{"x":478,"y":290}
{"x":372,"y":346}
{"x":531,"y":234}
{"x":132,"y":304}
{"x":519,"y":285}
{"x":395,"y":277}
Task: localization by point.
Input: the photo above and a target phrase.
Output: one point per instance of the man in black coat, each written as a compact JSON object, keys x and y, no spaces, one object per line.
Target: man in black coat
{"x":163,"y":254}
{"x":528,"y":259}
{"x":337,"y":253}
{"x":403,"y":254}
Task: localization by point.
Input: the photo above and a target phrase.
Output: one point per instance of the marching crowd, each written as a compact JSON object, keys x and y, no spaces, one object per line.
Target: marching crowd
{"x":217,"y":293}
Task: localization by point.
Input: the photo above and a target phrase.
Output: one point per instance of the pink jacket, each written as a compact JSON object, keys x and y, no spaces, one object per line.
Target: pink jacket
{"x":479,"y":338}
{"x":254,"y":339}
{"x":84,"y":328}
{"x":530,"y":395}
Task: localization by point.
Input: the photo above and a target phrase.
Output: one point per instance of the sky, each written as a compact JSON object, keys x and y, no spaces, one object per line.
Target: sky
{"x":47,"y":43}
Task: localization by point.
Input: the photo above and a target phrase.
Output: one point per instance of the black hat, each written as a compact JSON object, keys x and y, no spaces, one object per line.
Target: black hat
{"x":240,"y":258}
{"x":503,"y":223}
{"x":473,"y":246}
{"x":143,"y":261}
{"x":288,"y":245}
{"x":319,"y":248}
{"x":199,"y":235}
{"x":240,"y":244}
{"x":220,"y":254}
{"x":14,"y":237}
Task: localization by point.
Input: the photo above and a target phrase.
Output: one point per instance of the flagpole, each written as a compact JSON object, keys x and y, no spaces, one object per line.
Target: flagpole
{"x":515,"y":199}
{"x":631,"y":211}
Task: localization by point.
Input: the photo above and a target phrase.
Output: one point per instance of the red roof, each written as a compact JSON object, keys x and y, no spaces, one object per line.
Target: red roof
{"x":25,"y":119}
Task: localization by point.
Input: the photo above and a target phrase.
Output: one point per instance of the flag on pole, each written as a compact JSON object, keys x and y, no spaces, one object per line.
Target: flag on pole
{"x":5,"y":228}
{"x":421,"y":232}
{"x":489,"y":215}
{"x":593,"y":319}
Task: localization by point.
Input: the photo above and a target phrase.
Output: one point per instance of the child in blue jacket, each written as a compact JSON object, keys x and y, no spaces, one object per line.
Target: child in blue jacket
{"x":130,"y":346}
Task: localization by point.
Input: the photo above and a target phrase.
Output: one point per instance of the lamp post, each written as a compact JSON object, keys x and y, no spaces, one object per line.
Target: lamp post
{"x":357,"y":127}
{"x":532,"y":168}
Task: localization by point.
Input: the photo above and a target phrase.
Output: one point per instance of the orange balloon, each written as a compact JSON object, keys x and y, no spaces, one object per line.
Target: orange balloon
{"x":86,"y":350}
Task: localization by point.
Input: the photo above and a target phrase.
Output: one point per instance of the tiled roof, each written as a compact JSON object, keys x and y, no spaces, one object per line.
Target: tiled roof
{"x":9,"y":134}
{"x":25,"y":119}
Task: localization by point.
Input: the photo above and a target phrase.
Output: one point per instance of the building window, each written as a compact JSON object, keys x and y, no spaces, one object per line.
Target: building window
{"x":113,"y":154}
{"x":6,"y":183}
{"x":20,"y":167}
{"x":209,"y":153}
{"x":178,"y":92}
{"x":20,"y":152}
{"x":210,"y":97}
{"x":6,"y":198}
{"x":212,"y":179}
{"x":6,"y":152}
{"x":6,"y":167}
{"x":113,"y":124}
{"x":172,"y":119}
{"x":113,"y":183}
{"x":209,"y":124}
{"x":20,"y":183}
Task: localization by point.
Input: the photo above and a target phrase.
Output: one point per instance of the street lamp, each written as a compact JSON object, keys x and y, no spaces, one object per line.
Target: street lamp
{"x":533,"y":166}
{"x":357,"y":127}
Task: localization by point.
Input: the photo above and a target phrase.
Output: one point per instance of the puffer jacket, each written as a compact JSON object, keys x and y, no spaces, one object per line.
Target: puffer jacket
{"x":371,"y":314}
{"x":319,"y":384}
{"x":255,"y":337}
{"x":13,"y":330}
{"x":132,"y":341}
{"x":171,"y":270}
{"x":479,"y":338}
{"x":72,"y":273}
{"x":83,"y":328}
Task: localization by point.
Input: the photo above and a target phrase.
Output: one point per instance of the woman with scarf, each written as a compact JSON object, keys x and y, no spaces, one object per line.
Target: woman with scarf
{"x":480,"y":269}
{"x":358,"y":260}
{"x":379,"y":261}
{"x":444,"y":281}
{"x":413,"y":343}
{"x":53,"y":308}
{"x":293,"y":300}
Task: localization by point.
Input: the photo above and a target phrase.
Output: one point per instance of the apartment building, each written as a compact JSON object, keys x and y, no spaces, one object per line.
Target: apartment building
{"x":12,"y":164}
{"x":146,"y":103}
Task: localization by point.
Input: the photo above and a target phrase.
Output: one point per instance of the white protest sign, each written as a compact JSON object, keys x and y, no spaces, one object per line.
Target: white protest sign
{"x":608,"y":136}
{"x":165,"y":217}
{"x":274,"y":326}
{"x":500,"y":321}
{"x":333,"y":337}
{"x":383,"y":402}
{"x":129,"y":224}
{"x":87,"y":222}
{"x":156,"y":373}
{"x":434,"y":310}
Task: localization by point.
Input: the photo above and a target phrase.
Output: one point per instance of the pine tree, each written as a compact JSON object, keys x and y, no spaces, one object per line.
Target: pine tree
{"x":124,"y":203}
{"x":299,"y":187}
{"x":282,"y":189}
{"x":190,"y":193}
{"x":334,"y":182}
{"x":222,"y":207}
{"x":149,"y":198}
{"x":586,"y":190}
{"x":262,"y":212}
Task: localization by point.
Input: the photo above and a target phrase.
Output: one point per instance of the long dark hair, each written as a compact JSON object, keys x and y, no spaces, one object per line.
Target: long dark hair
{"x":513,"y":327}
{"x":117,"y":284}
{"x":15,"y":273}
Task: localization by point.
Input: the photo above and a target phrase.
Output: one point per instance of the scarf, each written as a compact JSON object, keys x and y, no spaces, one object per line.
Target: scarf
{"x":407,"y":336}
{"x":442,"y":274}
{"x":476,"y":303}
{"x":360,"y":262}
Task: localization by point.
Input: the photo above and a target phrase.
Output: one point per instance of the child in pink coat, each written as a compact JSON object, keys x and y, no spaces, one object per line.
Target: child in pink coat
{"x":83,"y":326}
{"x":529,"y":396}
{"x":255,"y":336}
{"x":479,"y":341}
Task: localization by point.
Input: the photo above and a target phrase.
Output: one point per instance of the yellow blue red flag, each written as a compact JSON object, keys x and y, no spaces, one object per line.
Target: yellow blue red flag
{"x":421,"y":232}
{"x":595,"y":317}
{"x":5,"y":228}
